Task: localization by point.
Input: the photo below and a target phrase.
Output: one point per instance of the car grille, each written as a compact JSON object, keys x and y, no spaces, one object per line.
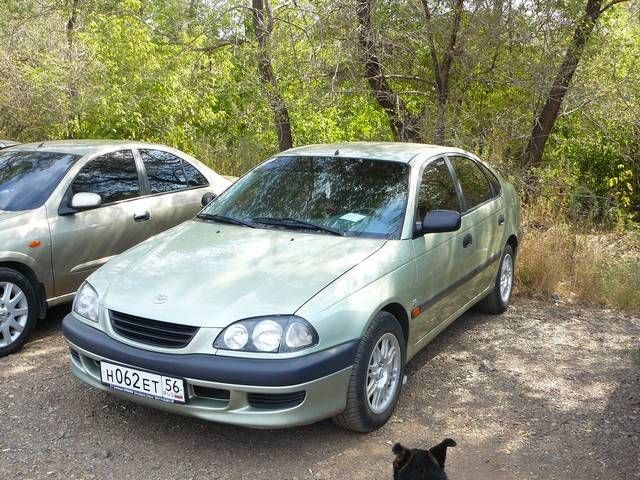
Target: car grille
{"x":275,"y":401}
{"x":152,"y":332}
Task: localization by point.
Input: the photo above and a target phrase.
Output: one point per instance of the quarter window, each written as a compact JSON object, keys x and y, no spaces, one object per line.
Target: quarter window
{"x":437,"y":191}
{"x":475,"y":186}
{"x":194,"y":177}
{"x":113,"y":176}
{"x":164,"y":171}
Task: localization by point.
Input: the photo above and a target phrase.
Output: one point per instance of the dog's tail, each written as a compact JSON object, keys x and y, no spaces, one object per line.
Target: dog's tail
{"x":440,"y":451}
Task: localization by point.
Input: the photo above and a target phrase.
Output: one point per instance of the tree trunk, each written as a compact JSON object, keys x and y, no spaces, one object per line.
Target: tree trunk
{"x":548,"y":115}
{"x":404,"y":124}
{"x":263,"y":27}
{"x":72,"y":87}
{"x":442,"y":69}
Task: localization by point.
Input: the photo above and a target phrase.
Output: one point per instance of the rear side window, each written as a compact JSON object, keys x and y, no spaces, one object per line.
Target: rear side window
{"x":495,"y":183}
{"x":113,"y":176}
{"x":194,"y":177}
{"x":437,"y":191}
{"x":475,"y":186}
{"x":164,"y":171}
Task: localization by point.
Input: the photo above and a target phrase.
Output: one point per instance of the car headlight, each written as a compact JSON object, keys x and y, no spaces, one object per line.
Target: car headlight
{"x":85,"y":302}
{"x":274,"y":334}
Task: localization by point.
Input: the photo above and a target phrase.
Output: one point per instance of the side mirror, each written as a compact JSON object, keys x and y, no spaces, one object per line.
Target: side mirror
{"x":439,"y":221}
{"x":207,"y":198}
{"x":85,"y":201}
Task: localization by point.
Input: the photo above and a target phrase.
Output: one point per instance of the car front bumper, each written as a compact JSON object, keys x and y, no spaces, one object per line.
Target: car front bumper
{"x":258,"y":393}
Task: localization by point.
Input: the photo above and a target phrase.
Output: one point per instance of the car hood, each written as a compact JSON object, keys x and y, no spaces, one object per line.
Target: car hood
{"x":211,"y":275}
{"x":6,"y":215}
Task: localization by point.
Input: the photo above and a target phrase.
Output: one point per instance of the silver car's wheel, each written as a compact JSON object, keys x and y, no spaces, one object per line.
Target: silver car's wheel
{"x":506,"y":278}
{"x":383,"y":373}
{"x":14,"y":313}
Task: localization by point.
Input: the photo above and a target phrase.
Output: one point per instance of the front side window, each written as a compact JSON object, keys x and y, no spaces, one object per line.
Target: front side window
{"x":475,"y":186}
{"x":437,"y":190}
{"x":113,"y":176}
{"x":27,"y":178}
{"x":164,"y":171}
{"x":350,"y":196}
{"x":194,"y":177}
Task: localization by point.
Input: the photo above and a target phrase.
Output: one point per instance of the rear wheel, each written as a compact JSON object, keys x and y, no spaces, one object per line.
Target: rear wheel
{"x":18,"y":310}
{"x":376,"y":378}
{"x":498,"y":300}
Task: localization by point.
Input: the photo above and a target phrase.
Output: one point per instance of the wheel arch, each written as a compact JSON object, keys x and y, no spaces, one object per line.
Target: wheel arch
{"x":400,"y":314}
{"x":513,"y":242}
{"x":33,"y":278}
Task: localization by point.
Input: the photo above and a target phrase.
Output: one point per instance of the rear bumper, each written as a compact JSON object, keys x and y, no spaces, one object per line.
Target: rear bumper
{"x":259,"y":393}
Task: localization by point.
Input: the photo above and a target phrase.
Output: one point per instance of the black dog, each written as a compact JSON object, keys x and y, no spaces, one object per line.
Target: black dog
{"x":415,"y":464}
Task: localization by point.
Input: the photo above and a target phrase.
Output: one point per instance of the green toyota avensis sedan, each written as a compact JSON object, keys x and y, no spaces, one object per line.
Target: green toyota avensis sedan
{"x":303,"y":290}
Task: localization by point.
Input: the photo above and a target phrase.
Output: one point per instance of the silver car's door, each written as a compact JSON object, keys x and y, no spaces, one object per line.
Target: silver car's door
{"x":436,"y":254}
{"x":175,"y":185}
{"x":83,"y":240}
{"x":482,"y":222}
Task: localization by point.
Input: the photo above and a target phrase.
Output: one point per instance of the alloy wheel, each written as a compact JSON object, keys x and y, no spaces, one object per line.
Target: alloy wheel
{"x":14,"y":313}
{"x":383,"y":375}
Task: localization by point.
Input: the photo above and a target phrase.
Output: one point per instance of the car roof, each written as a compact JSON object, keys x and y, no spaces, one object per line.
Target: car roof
{"x":393,"y":151}
{"x":83,"y":147}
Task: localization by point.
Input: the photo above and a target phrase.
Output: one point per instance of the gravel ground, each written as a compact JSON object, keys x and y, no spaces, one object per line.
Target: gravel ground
{"x":548,"y":391}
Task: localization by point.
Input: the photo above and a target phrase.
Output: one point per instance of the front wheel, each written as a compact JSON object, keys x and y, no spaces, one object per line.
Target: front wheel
{"x":376,"y":378}
{"x":18,"y":315}
{"x":498,"y":300}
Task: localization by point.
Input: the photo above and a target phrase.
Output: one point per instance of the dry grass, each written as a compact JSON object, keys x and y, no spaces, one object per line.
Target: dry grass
{"x":599,"y":268}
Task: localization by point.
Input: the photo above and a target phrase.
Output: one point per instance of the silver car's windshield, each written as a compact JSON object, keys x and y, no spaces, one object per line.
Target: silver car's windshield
{"x":27,"y":178}
{"x":331,"y":195}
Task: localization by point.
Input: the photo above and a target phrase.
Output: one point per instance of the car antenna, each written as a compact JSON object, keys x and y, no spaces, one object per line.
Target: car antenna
{"x":337,"y":153}
{"x":41,"y":145}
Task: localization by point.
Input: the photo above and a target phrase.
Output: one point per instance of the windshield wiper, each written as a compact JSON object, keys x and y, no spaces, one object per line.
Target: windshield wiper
{"x":296,"y":223}
{"x":225,"y":219}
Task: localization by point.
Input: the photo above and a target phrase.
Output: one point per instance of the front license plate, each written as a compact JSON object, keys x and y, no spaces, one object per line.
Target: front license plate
{"x":137,"y":382}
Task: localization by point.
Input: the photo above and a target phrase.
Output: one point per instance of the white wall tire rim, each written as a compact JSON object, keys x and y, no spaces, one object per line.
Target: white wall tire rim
{"x":14,"y":313}
{"x":383,"y":373}
{"x":506,"y":278}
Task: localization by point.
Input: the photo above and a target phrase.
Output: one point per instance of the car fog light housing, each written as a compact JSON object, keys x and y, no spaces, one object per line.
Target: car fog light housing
{"x":273,"y":334}
{"x":86,"y":302}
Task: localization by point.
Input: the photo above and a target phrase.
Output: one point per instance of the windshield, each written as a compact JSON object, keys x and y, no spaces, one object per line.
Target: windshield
{"x":28,"y":178}
{"x":346,"y":196}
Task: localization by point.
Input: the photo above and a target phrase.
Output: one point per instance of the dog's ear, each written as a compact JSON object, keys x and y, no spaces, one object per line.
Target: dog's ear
{"x":439,"y":452}
{"x":402,"y":456}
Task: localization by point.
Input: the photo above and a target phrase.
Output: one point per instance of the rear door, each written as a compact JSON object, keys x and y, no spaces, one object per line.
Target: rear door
{"x":481,"y":230}
{"x":85,"y":240}
{"x":175,"y":186}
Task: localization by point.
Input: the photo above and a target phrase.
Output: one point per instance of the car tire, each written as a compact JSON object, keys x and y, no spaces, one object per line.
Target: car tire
{"x":361,"y":414}
{"x":18,"y":310}
{"x":498,"y":300}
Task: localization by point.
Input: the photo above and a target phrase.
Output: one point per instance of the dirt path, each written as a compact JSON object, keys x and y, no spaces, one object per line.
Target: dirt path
{"x":545,"y":391}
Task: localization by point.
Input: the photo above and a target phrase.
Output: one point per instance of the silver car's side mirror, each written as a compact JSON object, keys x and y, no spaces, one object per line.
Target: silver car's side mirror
{"x":207,"y":198}
{"x":86,"y":200}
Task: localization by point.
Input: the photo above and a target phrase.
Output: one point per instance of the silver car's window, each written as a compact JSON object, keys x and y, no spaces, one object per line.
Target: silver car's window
{"x":27,"y":178}
{"x":194,"y":177}
{"x":352,"y":196}
{"x":475,"y":186}
{"x":164,"y":171}
{"x":113,"y":176}
{"x":437,"y":190}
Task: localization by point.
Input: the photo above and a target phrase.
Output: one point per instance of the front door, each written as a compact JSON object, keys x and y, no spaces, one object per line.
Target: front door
{"x":437,"y":254}
{"x":85,"y":240}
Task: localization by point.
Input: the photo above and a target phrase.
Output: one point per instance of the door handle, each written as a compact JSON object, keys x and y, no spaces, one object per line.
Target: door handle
{"x":467,"y":240}
{"x":501,"y":220}
{"x":141,"y":217}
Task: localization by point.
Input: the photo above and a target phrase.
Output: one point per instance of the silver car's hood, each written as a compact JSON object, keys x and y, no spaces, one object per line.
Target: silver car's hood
{"x":211,"y":275}
{"x":6,"y":215}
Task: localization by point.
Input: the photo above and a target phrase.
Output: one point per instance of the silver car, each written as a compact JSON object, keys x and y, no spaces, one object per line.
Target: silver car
{"x":67,"y":207}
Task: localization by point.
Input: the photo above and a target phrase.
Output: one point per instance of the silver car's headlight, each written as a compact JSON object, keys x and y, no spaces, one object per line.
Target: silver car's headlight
{"x":274,"y":334}
{"x":85,"y":302}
